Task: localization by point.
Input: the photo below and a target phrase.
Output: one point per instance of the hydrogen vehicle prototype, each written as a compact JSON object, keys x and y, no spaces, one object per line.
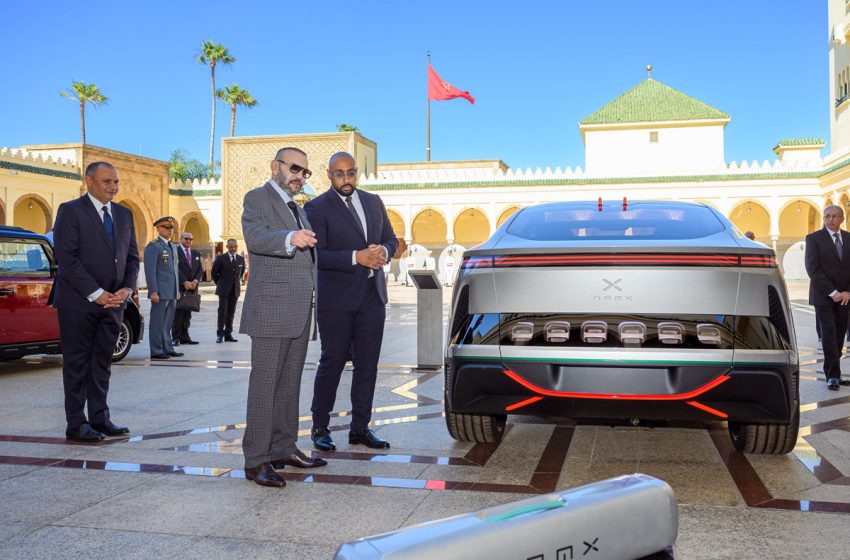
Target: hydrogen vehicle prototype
{"x":626,"y":310}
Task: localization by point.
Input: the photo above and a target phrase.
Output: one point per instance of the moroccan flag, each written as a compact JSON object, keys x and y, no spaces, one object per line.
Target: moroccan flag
{"x":441,"y":90}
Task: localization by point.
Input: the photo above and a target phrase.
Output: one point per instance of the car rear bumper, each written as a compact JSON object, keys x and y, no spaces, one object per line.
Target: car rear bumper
{"x":747,"y":393}
{"x":12,"y":351}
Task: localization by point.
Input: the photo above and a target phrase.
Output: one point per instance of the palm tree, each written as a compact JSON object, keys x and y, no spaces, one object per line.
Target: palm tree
{"x":213,"y":54}
{"x":233,"y":95}
{"x":84,"y":93}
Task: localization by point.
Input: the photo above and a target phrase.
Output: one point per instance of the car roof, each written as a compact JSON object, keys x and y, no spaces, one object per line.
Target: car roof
{"x":19,"y":232}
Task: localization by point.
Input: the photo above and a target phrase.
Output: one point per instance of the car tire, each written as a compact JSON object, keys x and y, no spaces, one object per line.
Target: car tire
{"x":479,"y":428}
{"x":125,"y":341}
{"x":768,"y":439}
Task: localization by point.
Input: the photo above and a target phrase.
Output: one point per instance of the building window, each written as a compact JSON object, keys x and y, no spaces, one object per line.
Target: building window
{"x":653,"y":137}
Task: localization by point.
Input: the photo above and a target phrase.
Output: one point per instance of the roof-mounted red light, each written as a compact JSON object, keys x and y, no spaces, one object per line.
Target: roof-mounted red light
{"x":600,"y":204}
{"x":625,"y":204}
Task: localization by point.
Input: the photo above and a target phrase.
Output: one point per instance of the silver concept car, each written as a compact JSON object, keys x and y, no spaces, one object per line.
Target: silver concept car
{"x":638,"y":310}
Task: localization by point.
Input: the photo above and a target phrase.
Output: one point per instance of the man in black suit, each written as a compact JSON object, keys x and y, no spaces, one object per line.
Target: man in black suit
{"x":828,"y":265}
{"x":189,"y":271}
{"x":354,"y":242}
{"x":98,"y":263}
{"x":227,"y":272}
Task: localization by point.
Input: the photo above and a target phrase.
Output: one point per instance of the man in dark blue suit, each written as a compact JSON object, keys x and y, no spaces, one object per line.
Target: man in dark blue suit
{"x":828,"y":265}
{"x":98,"y":262}
{"x":354,"y":241}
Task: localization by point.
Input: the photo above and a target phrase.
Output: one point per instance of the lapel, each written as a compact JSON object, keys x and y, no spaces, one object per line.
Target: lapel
{"x":845,"y":239}
{"x":89,"y":211}
{"x":280,"y":207}
{"x":336,"y":202}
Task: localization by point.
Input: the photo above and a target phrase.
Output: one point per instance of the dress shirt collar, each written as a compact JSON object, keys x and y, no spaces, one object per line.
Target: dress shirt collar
{"x":354,"y":196}
{"x":283,"y":194}
{"x":98,"y":205}
{"x":832,"y":233}
{"x":164,"y":240}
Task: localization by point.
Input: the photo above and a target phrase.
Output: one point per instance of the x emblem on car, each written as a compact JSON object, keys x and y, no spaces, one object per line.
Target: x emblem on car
{"x":612,"y":284}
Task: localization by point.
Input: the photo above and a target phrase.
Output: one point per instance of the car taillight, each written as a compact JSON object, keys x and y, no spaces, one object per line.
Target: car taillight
{"x":594,"y":332}
{"x":632,"y":332}
{"x":522,"y":332}
{"x":670,"y":333}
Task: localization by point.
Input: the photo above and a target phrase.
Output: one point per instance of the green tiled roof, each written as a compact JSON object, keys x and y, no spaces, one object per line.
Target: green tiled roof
{"x":800,"y":142}
{"x":40,"y":170}
{"x":194,"y":192}
{"x":652,"y":101}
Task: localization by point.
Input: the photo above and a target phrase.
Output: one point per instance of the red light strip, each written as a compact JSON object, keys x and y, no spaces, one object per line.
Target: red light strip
{"x":633,"y":259}
{"x":615,"y":396}
{"x":708,"y":409}
{"x":521,"y":404}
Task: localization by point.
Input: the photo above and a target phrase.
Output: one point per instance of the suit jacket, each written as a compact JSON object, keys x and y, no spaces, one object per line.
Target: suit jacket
{"x":228,"y":276}
{"x":279,"y":297}
{"x":88,"y":259}
{"x":161,"y":269}
{"x":187,"y":272}
{"x":341,"y":285}
{"x":826,"y":271}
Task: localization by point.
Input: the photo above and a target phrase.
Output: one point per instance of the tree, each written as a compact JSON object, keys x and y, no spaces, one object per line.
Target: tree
{"x":233,"y":95}
{"x":183,"y":168}
{"x":84,"y":93}
{"x":345,"y":127}
{"x":214,"y":54}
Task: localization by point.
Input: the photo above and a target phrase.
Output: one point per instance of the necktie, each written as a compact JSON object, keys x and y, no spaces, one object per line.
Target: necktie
{"x":350,"y":204}
{"x":107,"y":223}
{"x":838,"y":245}
{"x":294,"y":208}
{"x":188,"y":256}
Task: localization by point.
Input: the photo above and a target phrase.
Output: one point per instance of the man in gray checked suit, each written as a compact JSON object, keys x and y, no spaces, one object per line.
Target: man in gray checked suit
{"x":161,"y":276}
{"x":277,"y":315}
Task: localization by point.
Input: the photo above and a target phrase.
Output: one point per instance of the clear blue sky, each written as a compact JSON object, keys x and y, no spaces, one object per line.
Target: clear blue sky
{"x":536,"y":69}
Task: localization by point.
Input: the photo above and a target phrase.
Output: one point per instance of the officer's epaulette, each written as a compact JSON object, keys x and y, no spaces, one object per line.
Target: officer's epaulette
{"x":151,"y":243}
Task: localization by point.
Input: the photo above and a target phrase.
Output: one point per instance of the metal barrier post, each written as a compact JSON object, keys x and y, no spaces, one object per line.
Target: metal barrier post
{"x":429,"y":319}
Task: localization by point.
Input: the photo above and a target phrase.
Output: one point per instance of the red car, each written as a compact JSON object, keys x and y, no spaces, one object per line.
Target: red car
{"x":27,"y":324}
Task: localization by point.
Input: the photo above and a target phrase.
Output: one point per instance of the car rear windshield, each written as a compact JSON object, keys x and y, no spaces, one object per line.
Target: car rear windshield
{"x":585,"y":223}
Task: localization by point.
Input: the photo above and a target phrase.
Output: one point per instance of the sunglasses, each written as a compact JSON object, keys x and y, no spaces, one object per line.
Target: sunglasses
{"x":296,"y":169}
{"x":166,"y":227}
{"x":351,"y":173}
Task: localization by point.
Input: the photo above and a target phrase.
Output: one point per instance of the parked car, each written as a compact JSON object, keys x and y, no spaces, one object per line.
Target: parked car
{"x":639,"y":310}
{"x":27,"y":324}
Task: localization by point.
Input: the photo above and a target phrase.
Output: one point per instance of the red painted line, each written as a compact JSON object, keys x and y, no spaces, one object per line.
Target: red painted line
{"x":521,"y":404}
{"x":615,"y":396}
{"x":708,"y":409}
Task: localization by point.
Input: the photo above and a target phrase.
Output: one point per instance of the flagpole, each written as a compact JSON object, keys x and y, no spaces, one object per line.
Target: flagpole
{"x":428,"y":150}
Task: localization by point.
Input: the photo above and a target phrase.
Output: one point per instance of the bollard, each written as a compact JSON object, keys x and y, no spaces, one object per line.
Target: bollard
{"x":429,"y":319}
{"x":624,"y":518}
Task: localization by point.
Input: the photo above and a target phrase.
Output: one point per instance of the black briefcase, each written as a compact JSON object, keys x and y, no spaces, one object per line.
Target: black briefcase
{"x":189,"y":301}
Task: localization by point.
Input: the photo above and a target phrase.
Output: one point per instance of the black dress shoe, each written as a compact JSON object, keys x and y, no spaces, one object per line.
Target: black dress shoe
{"x":832,"y":384}
{"x":264,"y":475}
{"x":219,"y":339}
{"x":844,"y":382}
{"x":228,"y":338}
{"x":322,"y":439}
{"x":368,"y":438}
{"x":110,"y":429}
{"x":160,"y":356}
{"x":299,"y":460}
{"x":84,"y":433}
{"x":174,"y":354}
{"x":188,"y":341}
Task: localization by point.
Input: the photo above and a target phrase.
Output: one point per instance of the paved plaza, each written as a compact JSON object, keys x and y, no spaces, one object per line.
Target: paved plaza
{"x":175,"y":488}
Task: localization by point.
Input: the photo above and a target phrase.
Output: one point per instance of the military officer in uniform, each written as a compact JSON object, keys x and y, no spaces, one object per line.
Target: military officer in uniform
{"x":161,"y":275}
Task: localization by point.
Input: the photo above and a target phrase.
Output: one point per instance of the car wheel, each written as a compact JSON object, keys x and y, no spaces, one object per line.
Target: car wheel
{"x":125,"y":336}
{"x":480,"y":428}
{"x":768,"y":439}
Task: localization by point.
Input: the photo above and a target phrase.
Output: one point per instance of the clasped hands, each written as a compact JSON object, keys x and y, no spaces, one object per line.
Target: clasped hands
{"x":841,"y":297}
{"x":373,"y":256}
{"x":108,"y":300}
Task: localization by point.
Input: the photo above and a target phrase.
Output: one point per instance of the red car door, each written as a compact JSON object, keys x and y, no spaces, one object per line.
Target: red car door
{"x":25,"y":282}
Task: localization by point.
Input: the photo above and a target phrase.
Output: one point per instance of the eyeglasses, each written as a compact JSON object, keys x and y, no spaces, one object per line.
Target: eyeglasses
{"x":339,"y":174}
{"x":295,"y":168}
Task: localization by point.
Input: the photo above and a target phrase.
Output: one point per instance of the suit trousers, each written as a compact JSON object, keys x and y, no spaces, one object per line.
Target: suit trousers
{"x":832,"y":319}
{"x":274,"y":388}
{"x":180,"y":327}
{"x":226,"y":311}
{"x":358,"y":333}
{"x":162,"y":317}
{"x":88,"y":341}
